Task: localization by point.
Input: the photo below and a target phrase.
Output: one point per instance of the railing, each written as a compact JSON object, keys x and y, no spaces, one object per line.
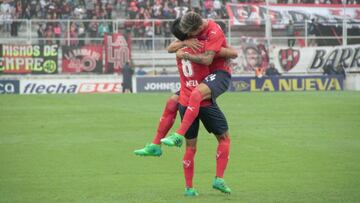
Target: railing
{"x":155,"y":41}
{"x":27,"y":31}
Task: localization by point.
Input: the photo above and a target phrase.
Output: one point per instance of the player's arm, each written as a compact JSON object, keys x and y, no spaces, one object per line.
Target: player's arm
{"x":205,"y":58}
{"x":193,"y":44}
{"x":228,"y":52}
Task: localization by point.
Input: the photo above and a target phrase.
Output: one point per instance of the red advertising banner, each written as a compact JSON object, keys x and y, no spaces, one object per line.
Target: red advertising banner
{"x":117,"y":52}
{"x":87,"y":58}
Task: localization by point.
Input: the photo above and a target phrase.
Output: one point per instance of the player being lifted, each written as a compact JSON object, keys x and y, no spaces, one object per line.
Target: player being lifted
{"x":216,"y":84}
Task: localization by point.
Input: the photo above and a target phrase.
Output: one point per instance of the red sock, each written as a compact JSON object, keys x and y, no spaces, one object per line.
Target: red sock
{"x":188,"y":164}
{"x":222,"y":156}
{"x":191,"y":113}
{"x":166,"y":121}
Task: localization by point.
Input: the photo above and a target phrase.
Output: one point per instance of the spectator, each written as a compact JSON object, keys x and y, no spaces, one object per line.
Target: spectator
{"x":167,"y":34}
{"x":272,"y":71}
{"x":7,"y":19}
{"x":93,"y":29}
{"x":90,"y":7}
{"x":108,"y":9}
{"x":195,"y":5}
{"x":127,"y":72}
{"x":163,"y":72}
{"x":41,"y":33}
{"x":259,"y":72}
{"x":329,"y":69}
{"x":49,"y":34}
{"x":180,"y":11}
{"x":168,"y":11}
{"x":157,"y":10}
{"x":81,"y":34}
{"x":217,"y":7}
{"x":73,"y":35}
{"x":140,"y":71}
{"x":209,"y":5}
{"x":149,"y":32}
{"x":16,"y":13}
{"x":66,"y":11}
{"x":141,"y":35}
{"x":311,"y":32}
{"x":57,"y":32}
{"x":103,"y":28}
{"x":291,"y":34}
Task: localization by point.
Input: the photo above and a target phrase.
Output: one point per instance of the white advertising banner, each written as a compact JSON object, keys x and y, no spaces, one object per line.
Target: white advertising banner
{"x":254,"y":14}
{"x":70,"y":86}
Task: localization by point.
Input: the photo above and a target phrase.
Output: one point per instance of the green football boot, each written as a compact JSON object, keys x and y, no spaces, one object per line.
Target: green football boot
{"x":173,"y":140}
{"x":190,"y":192}
{"x":149,"y":150}
{"x":219,"y":184}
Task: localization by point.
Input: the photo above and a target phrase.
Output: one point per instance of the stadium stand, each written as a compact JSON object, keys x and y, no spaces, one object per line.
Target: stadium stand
{"x":79,"y":22}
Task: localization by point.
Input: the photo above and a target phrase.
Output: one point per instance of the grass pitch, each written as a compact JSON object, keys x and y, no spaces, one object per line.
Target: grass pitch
{"x":286,"y":147}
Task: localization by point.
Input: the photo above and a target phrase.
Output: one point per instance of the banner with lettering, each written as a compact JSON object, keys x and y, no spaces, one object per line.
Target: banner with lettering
{"x":78,"y":59}
{"x":316,"y":59}
{"x":280,"y":14}
{"x":250,"y":84}
{"x":117,"y":52}
{"x":287,"y":83}
{"x":157,"y":83}
{"x":24,"y":59}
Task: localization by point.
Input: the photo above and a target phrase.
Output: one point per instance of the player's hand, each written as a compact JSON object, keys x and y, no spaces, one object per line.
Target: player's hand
{"x":180,"y":54}
{"x":193,"y":44}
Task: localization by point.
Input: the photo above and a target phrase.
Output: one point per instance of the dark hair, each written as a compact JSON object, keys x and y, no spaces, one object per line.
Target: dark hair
{"x":190,"y":22}
{"x":175,"y":30}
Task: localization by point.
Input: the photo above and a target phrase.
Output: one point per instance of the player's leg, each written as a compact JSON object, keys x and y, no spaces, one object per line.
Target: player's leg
{"x":215,"y":122}
{"x":167,"y":119}
{"x":166,"y":122}
{"x":190,"y":151}
{"x":188,"y":165}
{"x":213,"y":86}
{"x":176,"y":139}
{"x":222,"y":158}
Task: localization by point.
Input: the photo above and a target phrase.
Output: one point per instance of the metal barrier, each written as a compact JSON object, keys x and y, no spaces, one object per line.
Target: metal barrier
{"x":152,"y":36}
{"x":28,"y":31}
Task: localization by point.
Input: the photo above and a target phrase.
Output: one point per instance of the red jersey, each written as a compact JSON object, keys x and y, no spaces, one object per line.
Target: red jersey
{"x":214,"y":40}
{"x":191,"y":75}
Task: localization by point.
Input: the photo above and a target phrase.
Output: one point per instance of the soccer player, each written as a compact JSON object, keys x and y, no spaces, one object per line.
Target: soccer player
{"x":192,"y":74}
{"x":220,"y":82}
{"x":215,"y":84}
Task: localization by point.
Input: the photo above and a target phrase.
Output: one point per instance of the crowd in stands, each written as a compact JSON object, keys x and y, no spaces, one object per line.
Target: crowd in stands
{"x":137,"y":13}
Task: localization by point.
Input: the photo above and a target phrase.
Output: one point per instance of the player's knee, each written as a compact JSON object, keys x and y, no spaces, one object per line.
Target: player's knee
{"x":191,"y":143}
{"x":204,"y":90}
{"x":223,"y":138}
{"x":174,"y":97}
{"x":196,"y":95}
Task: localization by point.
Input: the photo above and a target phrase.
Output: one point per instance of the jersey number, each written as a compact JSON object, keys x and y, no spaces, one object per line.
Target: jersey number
{"x":187,"y":68}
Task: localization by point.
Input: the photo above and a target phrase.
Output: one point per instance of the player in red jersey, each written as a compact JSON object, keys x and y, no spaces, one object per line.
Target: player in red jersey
{"x":169,"y":114}
{"x":215,"y":84}
{"x":191,"y":75}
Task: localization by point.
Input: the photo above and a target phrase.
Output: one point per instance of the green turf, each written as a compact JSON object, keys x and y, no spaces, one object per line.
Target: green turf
{"x":286,"y":147}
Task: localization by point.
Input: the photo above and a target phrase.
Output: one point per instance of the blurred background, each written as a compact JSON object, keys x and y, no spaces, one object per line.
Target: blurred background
{"x":96,"y":39}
